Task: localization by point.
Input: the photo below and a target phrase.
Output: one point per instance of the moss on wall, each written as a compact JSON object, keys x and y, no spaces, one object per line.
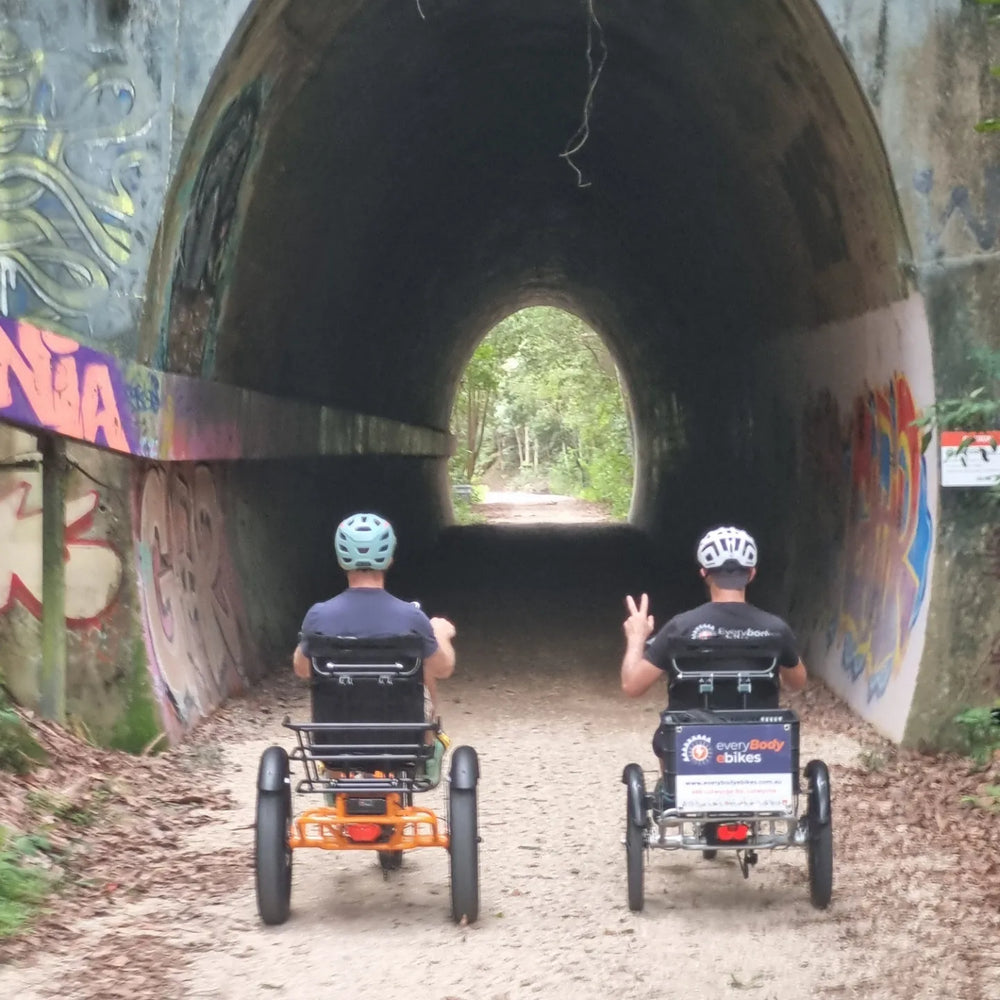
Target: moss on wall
{"x":138,"y":725}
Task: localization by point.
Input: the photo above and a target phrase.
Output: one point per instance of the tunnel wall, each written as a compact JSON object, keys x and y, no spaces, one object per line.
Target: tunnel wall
{"x":858,"y":576}
{"x":122,"y":84}
{"x":925,"y":68}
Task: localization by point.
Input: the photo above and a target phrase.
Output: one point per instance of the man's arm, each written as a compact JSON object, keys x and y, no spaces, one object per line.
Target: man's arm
{"x":793,"y":678}
{"x":301,"y":663}
{"x":441,"y":663}
{"x":638,"y":674}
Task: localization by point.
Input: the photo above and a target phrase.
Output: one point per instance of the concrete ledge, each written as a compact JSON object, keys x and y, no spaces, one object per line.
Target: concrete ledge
{"x":53,"y":383}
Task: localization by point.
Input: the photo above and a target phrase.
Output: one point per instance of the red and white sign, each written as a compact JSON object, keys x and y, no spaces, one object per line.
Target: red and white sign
{"x":970,"y":458}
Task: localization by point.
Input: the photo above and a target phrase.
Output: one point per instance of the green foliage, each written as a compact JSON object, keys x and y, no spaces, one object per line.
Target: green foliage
{"x":462,"y":506}
{"x":977,"y":409}
{"x":988,"y":799}
{"x":23,"y":885}
{"x":139,"y":726}
{"x":19,"y":752}
{"x":542,"y":399}
{"x":988,"y":125}
{"x":980,"y":729}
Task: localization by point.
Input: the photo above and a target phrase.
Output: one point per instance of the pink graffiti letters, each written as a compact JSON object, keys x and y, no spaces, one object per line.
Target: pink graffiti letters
{"x":60,"y":385}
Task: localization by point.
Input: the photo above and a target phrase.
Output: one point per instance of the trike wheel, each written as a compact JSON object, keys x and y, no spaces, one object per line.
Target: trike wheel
{"x":635,"y":835}
{"x":464,"y":850}
{"x":635,"y":850}
{"x":390,"y":860}
{"x":272,"y":855}
{"x":821,"y":865}
{"x":820,"y":828}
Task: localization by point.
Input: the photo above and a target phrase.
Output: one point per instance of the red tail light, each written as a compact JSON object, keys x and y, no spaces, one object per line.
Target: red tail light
{"x":732,"y":832}
{"x":363,"y":833}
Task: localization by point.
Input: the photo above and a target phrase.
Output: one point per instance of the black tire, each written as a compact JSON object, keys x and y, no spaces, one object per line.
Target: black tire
{"x":635,"y":854}
{"x":463,"y":829}
{"x":272,"y":855}
{"x":820,"y":850}
{"x":636,"y":821}
{"x":820,"y":826}
{"x":710,"y":854}
{"x":391,"y":861}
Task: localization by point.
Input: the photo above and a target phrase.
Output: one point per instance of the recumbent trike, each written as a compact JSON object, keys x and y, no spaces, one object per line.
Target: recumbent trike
{"x":730,"y":773}
{"x":364,"y":755}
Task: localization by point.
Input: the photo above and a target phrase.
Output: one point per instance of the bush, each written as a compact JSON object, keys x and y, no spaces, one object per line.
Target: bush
{"x":19,"y":752}
{"x":980,"y":732}
{"x":23,"y":886}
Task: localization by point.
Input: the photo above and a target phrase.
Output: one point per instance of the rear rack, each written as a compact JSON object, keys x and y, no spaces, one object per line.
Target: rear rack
{"x":360,"y":761}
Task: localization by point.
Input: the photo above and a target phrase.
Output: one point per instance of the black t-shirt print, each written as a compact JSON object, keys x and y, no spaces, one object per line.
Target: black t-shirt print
{"x":734,"y":624}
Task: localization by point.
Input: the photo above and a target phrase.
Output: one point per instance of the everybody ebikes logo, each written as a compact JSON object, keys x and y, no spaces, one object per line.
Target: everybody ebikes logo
{"x":746,"y":751}
{"x":696,"y":749}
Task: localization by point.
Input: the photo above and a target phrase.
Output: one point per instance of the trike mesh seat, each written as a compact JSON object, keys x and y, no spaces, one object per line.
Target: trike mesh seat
{"x":720,"y":674}
{"x":367,"y":703}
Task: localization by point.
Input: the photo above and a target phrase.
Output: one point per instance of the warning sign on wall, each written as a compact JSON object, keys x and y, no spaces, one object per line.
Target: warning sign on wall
{"x":970,"y":458}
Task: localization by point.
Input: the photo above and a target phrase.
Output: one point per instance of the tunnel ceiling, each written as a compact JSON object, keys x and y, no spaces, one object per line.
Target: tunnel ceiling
{"x":409,"y":193}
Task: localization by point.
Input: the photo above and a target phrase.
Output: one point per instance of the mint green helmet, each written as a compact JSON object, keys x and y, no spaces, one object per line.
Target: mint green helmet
{"x":364,"y":541}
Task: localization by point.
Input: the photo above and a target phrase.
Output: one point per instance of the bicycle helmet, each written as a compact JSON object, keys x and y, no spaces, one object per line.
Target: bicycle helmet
{"x":727,"y":550}
{"x":364,"y":541}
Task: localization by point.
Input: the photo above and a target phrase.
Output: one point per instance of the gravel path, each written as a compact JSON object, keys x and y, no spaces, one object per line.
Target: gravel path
{"x":916,"y":909}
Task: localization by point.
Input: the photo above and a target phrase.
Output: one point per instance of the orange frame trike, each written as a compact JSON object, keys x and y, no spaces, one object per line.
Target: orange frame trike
{"x":364,"y":755}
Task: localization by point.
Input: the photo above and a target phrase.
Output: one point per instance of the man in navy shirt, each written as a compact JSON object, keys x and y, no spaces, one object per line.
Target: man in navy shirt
{"x":365,"y":544}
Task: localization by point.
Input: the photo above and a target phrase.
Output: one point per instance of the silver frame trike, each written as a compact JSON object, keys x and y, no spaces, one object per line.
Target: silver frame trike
{"x":723,"y":802}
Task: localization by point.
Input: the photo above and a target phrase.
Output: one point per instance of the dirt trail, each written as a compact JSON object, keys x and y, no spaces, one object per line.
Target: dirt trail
{"x":910,"y":917}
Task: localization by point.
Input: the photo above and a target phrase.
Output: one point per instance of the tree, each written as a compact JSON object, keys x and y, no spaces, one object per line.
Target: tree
{"x":545,"y":391}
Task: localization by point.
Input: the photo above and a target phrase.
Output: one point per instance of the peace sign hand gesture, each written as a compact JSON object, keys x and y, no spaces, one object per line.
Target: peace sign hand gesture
{"x":639,"y":624}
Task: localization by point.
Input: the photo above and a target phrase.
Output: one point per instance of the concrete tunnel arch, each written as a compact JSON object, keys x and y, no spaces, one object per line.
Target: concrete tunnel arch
{"x":369,"y":187}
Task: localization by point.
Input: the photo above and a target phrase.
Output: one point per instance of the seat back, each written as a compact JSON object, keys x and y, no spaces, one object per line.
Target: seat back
{"x":367,"y":692}
{"x":725,"y":674}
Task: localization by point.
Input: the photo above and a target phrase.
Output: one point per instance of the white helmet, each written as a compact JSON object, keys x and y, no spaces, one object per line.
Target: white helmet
{"x":723,"y":546}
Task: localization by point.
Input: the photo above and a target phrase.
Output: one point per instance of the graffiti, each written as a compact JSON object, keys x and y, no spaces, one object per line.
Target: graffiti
{"x":982,"y":225}
{"x":200,"y":274}
{"x":189,"y":595}
{"x":53,"y":382}
{"x":93,"y":568}
{"x":887,"y":538}
{"x":68,"y":168}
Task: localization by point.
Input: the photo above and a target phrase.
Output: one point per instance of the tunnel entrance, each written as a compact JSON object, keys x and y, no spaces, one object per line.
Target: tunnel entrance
{"x":369,"y":188}
{"x":541,"y":419}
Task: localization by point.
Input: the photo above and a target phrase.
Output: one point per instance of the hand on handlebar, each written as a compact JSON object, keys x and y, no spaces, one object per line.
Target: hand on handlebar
{"x":443,"y":629}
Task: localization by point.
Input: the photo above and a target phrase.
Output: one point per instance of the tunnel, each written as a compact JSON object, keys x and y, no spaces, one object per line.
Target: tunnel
{"x":369,"y":188}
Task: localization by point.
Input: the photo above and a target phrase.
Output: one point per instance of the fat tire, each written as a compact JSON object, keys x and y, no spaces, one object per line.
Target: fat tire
{"x":273,"y":856}
{"x":820,"y":852}
{"x":463,"y":829}
{"x":635,"y":858}
{"x":391,"y":861}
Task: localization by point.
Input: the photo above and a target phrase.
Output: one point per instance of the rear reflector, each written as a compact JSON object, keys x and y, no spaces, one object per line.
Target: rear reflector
{"x":732,"y":832}
{"x":363,"y":833}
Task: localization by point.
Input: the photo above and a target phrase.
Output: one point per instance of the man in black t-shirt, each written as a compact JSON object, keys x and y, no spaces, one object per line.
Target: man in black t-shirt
{"x":728,"y":561}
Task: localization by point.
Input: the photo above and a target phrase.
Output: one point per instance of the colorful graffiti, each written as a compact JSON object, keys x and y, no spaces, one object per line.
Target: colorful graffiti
{"x":68,"y":171}
{"x":53,"y":382}
{"x":209,"y":235}
{"x":888,"y":536}
{"x":190,"y":597}
{"x":93,"y":568}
